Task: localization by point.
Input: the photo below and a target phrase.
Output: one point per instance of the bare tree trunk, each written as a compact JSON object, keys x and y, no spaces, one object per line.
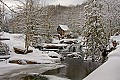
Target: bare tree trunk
{"x":29,"y":23}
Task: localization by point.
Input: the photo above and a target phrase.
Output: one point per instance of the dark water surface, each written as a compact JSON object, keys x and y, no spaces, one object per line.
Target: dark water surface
{"x":76,"y":69}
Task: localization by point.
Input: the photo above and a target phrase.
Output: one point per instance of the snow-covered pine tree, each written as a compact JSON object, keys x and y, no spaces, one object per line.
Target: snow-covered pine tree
{"x":94,"y":32}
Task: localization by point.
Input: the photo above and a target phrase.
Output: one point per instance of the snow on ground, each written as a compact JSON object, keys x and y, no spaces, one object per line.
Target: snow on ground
{"x":36,"y":55}
{"x":18,"y":40}
{"x":110,"y":70}
{"x":7,"y":67}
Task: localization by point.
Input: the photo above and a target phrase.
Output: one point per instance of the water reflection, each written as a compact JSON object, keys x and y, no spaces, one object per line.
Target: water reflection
{"x":34,"y":77}
{"x":77,"y":69}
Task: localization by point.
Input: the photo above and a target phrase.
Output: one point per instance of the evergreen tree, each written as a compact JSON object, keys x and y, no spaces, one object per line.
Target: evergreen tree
{"x":94,"y":32}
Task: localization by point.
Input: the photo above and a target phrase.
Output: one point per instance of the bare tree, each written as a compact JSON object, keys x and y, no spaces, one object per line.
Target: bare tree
{"x":112,"y":15}
{"x":1,"y":16}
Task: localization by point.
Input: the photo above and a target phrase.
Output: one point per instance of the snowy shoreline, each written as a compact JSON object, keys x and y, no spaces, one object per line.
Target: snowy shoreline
{"x":43,"y":59}
{"x":28,"y":69}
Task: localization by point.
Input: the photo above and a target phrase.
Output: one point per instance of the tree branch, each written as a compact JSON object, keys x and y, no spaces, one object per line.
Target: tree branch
{"x":7,"y":6}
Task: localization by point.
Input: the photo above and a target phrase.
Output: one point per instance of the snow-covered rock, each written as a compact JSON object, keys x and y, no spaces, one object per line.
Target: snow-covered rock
{"x":35,"y":56}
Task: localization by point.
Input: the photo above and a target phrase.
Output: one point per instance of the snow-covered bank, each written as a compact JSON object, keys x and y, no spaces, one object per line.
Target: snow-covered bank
{"x":36,"y":56}
{"x":18,"y":40}
{"x":12,"y":73}
{"x":110,"y":69}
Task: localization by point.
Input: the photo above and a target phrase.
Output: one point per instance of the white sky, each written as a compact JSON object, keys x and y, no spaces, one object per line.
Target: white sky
{"x":51,"y":2}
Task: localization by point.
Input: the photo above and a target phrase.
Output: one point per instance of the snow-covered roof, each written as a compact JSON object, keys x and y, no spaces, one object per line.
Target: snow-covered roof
{"x":64,"y":27}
